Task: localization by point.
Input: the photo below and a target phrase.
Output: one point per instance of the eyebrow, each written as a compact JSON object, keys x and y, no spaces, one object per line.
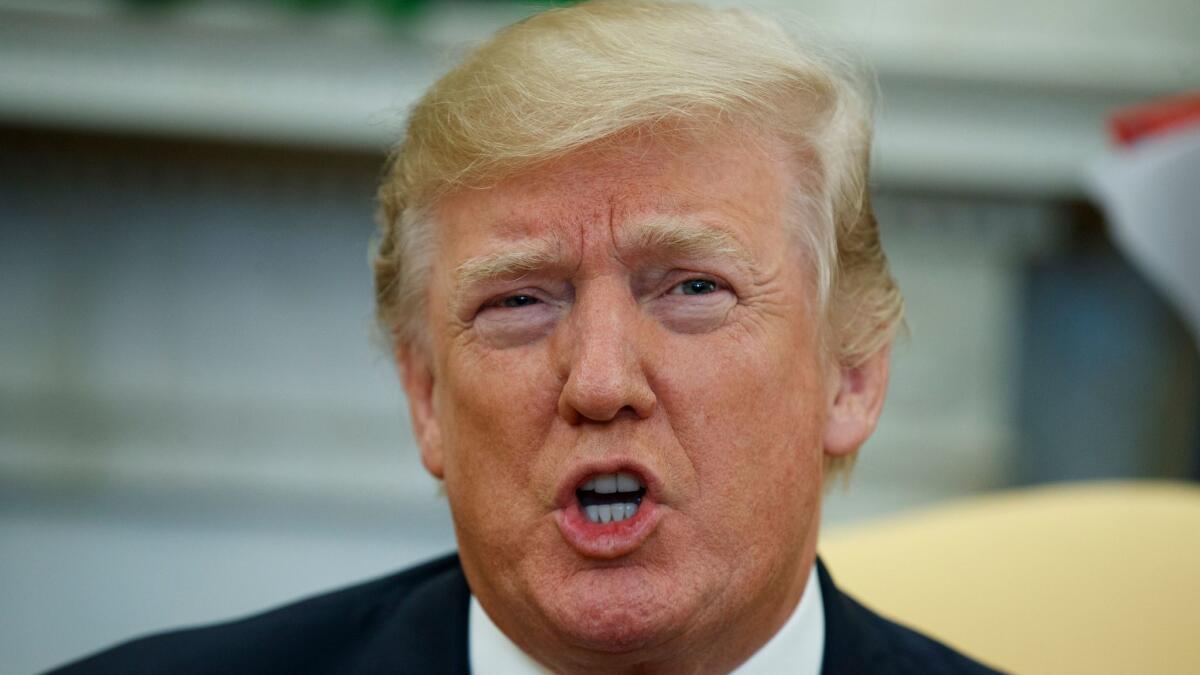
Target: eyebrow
{"x":683,"y":238}
{"x":511,"y":264}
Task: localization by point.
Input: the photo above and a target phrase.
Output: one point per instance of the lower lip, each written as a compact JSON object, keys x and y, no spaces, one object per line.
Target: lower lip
{"x":607,"y":541}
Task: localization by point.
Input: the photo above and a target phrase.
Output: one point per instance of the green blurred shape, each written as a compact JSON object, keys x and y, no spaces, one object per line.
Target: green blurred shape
{"x":401,"y":9}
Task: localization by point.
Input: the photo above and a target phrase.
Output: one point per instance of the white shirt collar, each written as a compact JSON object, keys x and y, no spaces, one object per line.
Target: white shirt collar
{"x":489,"y":650}
{"x":797,"y":648}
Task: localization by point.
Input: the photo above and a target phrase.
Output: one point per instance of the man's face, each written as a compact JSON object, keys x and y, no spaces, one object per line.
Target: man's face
{"x":632,"y":313}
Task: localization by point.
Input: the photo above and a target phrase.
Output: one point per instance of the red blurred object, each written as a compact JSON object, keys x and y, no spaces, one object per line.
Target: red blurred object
{"x":1130,"y":125}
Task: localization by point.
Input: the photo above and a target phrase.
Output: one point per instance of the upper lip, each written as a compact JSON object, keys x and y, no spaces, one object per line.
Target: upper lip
{"x":565,"y":496}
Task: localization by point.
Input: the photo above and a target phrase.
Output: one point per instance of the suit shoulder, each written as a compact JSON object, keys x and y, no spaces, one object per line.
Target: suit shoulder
{"x":912,"y":653}
{"x":324,"y":633}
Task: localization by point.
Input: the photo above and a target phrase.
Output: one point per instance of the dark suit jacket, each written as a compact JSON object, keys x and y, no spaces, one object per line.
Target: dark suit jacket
{"x":416,"y":622}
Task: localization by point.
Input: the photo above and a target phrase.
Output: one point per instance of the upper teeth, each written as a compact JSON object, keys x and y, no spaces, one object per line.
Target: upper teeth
{"x":611,"y":483}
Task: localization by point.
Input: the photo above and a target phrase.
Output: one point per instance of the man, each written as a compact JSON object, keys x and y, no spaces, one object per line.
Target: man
{"x":637,"y":297}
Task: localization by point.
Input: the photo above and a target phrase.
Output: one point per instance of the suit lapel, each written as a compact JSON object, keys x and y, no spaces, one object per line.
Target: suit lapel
{"x":426,"y":631}
{"x":852,"y":645}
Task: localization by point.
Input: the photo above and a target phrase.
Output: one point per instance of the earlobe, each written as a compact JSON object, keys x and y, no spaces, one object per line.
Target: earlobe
{"x":857,"y":403}
{"x":416,"y":373}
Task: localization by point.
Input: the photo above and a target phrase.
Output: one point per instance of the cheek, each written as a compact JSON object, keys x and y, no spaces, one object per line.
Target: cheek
{"x":750,"y":414}
{"x":495,"y":408}
{"x":750,"y":423}
{"x":495,"y":423}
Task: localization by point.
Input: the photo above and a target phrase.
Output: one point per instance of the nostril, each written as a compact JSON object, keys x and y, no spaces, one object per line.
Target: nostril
{"x":578,"y":405}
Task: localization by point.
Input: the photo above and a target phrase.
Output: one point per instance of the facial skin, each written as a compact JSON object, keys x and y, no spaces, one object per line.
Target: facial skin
{"x":636,"y":307}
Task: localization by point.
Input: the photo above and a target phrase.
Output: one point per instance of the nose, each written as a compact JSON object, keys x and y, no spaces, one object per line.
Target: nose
{"x":602,"y":356}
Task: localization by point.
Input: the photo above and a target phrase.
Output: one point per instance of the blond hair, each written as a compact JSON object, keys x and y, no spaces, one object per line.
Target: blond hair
{"x":574,"y":77}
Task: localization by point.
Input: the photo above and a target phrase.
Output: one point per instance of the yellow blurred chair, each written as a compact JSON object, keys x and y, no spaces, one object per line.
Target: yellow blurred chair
{"x":1080,"y":578}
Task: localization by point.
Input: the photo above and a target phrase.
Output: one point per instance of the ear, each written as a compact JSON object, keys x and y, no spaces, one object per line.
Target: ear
{"x":416,"y":373}
{"x":857,"y":402}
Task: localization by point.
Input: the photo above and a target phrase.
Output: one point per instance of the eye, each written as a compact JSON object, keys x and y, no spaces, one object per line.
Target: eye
{"x":518,"y":317}
{"x":513,"y":301}
{"x":696,"y":287}
{"x":694,"y":304}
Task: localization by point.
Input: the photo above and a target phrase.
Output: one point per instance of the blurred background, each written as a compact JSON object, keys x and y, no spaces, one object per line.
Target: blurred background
{"x":195,"y":422}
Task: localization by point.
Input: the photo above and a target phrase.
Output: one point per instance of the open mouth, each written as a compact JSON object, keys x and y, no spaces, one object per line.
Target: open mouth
{"x":606,"y":510}
{"x":610,"y":497}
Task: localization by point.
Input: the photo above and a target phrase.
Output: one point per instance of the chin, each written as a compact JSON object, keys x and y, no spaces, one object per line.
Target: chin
{"x":617,"y":609}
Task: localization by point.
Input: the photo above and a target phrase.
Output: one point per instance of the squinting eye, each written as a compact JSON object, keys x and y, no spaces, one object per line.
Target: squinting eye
{"x":697,"y":287}
{"x":517,"y":301}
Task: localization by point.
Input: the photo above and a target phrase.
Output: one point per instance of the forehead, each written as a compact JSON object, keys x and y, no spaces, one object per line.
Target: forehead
{"x":735,"y":181}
